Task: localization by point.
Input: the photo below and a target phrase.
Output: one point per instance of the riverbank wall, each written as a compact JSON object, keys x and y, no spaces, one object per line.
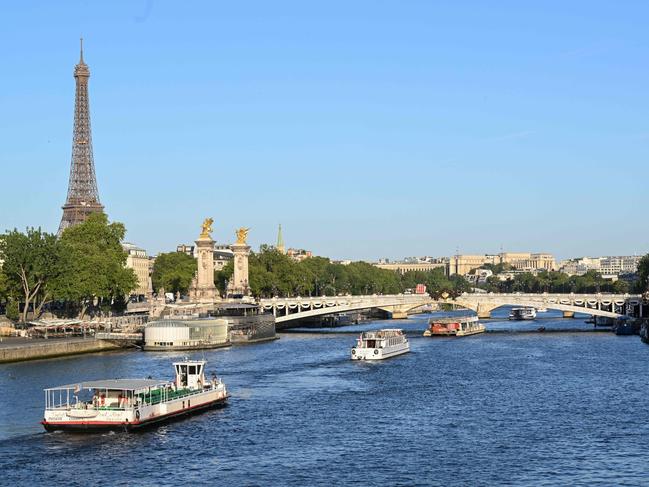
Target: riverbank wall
{"x":22,"y":351}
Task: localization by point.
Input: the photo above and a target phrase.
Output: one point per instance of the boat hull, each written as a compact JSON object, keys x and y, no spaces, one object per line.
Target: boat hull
{"x":454,"y":333}
{"x":105,"y":426}
{"x":369,"y":354}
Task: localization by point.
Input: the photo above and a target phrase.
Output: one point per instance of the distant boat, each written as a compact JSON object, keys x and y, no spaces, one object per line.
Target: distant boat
{"x":624,"y":326}
{"x":542,"y":309}
{"x":456,"y":326}
{"x":520,"y":314}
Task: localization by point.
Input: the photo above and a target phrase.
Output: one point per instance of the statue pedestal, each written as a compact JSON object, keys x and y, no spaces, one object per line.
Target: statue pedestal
{"x":203,"y":289}
{"x":239,"y":284}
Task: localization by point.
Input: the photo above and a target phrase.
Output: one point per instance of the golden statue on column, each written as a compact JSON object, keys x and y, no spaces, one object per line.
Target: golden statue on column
{"x":239,"y":285}
{"x":206,"y":228}
{"x":242,"y":235}
{"x":203,"y":289}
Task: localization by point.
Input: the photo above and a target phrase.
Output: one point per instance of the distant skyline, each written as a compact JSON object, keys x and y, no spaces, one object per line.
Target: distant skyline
{"x":367,"y":129}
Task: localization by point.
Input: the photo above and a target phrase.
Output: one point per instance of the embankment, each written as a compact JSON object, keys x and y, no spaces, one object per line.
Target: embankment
{"x":17,"y":351}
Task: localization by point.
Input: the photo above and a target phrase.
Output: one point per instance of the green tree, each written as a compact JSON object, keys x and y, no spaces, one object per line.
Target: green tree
{"x":272,"y":273}
{"x":222,"y":277}
{"x":619,"y":287}
{"x":174,"y":272}
{"x":31,"y":263}
{"x":316,"y":274}
{"x":436,"y":281}
{"x":13,"y":310}
{"x":643,"y":274}
{"x":498,"y":268}
{"x":4,"y":287}
{"x":94,"y":264}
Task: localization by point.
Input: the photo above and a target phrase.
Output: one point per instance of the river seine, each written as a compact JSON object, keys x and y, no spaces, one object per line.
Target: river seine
{"x":509,"y":408}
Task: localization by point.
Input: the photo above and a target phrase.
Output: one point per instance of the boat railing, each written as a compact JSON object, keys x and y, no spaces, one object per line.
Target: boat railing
{"x":64,"y":399}
{"x":166,"y":395}
{"x":86,"y":406}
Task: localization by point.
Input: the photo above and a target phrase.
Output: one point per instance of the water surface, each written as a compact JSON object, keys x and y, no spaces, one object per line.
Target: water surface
{"x":498,"y":408}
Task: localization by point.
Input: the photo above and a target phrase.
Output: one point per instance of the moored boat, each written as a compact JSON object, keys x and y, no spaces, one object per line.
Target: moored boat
{"x":128,"y":404}
{"x":520,"y":314}
{"x":626,"y":326}
{"x":380,"y":344}
{"x":455,"y":326}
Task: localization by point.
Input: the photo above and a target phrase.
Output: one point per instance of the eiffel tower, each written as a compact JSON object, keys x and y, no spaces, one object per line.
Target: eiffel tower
{"x":83,"y":196}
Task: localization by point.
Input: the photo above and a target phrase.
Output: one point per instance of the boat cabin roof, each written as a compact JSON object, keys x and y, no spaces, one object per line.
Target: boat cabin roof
{"x":113,"y":384}
{"x":454,"y":319}
{"x":191,"y":362}
{"x":383,"y":333}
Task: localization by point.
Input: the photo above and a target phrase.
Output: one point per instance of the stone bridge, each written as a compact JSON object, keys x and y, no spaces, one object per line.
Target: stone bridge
{"x":292,"y":309}
{"x":608,"y":305}
{"x":288,"y":310}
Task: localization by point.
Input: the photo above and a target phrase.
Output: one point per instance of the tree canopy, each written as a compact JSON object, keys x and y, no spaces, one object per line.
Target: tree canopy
{"x":31,"y":263}
{"x":173,"y":271}
{"x":94,"y":263}
{"x":275,"y":274}
{"x":86,"y":266}
{"x":555,"y":282}
{"x":643,"y":274}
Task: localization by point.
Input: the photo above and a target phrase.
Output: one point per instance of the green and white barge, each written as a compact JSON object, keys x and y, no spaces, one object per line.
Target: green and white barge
{"x":129,"y":404}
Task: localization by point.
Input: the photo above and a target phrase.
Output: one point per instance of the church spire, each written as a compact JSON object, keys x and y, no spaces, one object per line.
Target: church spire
{"x":280,"y":241}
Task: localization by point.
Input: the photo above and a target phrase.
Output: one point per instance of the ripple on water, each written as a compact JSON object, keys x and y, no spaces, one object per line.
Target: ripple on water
{"x":495,"y":409}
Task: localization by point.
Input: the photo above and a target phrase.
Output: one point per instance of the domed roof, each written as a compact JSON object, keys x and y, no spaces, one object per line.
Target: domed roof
{"x":168,"y":324}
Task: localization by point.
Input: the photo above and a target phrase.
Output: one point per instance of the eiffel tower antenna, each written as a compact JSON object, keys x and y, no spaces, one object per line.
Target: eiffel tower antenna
{"x":83,"y":196}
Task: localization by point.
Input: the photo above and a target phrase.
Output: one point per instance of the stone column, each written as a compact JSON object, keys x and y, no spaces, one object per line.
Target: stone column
{"x":240,"y":283}
{"x":205,"y":291}
{"x":483,"y":311}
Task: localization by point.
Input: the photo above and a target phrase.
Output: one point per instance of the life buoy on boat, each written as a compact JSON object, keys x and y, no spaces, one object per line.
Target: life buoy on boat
{"x":353,"y":351}
{"x":376,"y":352}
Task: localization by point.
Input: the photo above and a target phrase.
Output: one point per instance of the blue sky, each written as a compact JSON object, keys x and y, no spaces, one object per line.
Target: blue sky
{"x":367,"y":128}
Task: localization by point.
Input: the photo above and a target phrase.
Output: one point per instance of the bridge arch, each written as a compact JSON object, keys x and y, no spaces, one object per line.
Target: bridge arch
{"x":610,"y":306}
{"x":293,"y":309}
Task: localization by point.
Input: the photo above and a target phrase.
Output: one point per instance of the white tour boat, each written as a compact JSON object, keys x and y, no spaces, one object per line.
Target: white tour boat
{"x":127,"y":404}
{"x":377,"y":345}
{"x":525,"y":313}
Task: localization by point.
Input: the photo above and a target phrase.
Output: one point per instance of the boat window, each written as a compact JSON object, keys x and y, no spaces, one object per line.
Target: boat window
{"x":192,"y":369}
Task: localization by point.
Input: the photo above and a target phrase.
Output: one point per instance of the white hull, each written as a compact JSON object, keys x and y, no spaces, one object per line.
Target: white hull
{"x":134,"y":417}
{"x":127,"y":404}
{"x":380,"y":353}
{"x":130,"y":417}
